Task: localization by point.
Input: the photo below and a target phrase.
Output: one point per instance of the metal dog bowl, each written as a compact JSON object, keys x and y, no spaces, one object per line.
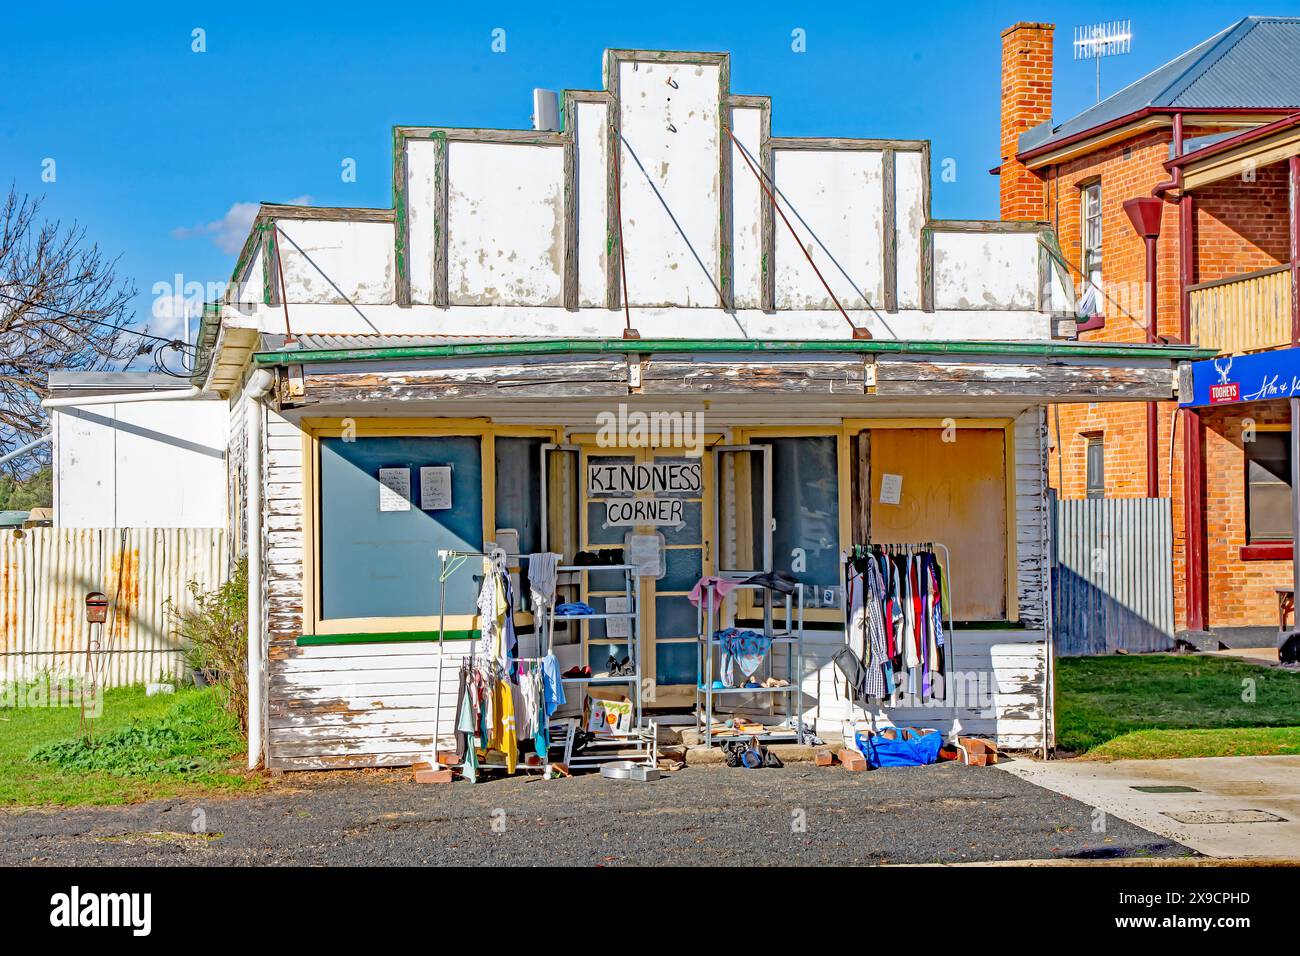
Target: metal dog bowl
{"x":627,"y":770}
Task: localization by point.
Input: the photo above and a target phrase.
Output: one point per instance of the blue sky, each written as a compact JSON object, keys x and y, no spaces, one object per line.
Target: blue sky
{"x":160,"y":151}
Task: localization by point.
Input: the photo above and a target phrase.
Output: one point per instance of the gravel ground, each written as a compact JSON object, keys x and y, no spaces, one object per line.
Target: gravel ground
{"x":800,"y":814}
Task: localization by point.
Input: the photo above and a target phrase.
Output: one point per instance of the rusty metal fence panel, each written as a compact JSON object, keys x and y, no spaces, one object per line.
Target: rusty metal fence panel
{"x":1112,"y":576}
{"x":45,"y":574}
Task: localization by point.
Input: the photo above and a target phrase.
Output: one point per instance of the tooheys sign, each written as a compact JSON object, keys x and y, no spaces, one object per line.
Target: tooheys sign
{"x":1259,"y":377}
{"x":677,"y":479}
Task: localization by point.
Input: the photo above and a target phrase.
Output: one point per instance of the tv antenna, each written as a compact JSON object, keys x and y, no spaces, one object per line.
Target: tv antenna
{"x":1098,"y":40}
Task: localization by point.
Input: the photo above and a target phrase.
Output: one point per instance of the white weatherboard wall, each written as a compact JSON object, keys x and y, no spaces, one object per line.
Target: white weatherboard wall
{"x":141,"y":465}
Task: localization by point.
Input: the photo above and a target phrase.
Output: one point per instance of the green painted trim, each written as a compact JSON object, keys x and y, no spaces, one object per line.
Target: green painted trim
{"x":722,"y":346}
{"x":316,"y":640}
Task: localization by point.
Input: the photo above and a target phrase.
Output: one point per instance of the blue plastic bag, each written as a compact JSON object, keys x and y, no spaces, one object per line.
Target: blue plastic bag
{"x":912,"y":748}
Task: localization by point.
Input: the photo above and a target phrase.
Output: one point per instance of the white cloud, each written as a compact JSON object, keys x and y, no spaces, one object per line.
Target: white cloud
{"x":229,"y":232}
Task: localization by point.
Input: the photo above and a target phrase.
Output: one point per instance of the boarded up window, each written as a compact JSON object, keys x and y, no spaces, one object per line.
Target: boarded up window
{"x":952,"y":492}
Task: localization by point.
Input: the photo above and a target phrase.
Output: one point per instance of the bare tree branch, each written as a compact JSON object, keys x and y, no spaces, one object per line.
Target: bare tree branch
{"x":55,"y":289}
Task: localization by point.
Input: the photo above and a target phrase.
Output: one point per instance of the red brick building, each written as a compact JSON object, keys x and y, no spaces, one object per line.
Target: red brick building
{"x":1208,"y":142}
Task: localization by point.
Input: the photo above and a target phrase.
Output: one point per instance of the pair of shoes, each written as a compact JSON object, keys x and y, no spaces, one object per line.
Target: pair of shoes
{"x":776,"y":682}
{"x":617,"y":668}
{"x":601,"y":556}
{"x":578,"y":672}
{"x":775,"y":580}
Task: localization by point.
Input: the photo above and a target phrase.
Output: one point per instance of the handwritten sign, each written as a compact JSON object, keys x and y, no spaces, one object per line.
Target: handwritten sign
{"x":394,"y":489}
{"x":435,"y":487}
{"x":656,"y":512}
{"x":668,"y":477}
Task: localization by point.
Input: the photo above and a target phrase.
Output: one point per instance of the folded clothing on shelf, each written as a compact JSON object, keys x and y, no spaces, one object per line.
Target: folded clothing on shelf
{"x":574,"y":607}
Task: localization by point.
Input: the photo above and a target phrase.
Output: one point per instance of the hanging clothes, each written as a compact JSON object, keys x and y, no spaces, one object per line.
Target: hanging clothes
{"x":896,"y":598}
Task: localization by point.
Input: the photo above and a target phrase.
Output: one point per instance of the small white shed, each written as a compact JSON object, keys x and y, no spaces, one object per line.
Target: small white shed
{"x":123,"y":459}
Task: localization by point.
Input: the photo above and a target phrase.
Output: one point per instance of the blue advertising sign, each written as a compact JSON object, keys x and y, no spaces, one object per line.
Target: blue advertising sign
{"x":1259,"y":377}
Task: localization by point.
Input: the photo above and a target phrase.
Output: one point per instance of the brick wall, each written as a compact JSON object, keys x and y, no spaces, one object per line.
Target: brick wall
{"x":1026,"y":102}
{"x":1241,"y":592}
{"x":1243,"y":225}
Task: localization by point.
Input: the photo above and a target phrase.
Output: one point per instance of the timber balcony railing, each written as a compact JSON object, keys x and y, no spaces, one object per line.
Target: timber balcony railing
{"x":1243,"y":313}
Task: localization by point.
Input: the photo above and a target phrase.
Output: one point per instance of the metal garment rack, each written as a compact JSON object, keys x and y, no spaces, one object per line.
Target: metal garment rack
{"x":945,"y":567}
{"x":498,"y":558}
{"x":640,"y":743}
{"x":791,"y":638}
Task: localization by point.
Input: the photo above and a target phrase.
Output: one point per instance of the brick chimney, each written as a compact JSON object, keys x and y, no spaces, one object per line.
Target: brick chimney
{"x":1026,"y":102}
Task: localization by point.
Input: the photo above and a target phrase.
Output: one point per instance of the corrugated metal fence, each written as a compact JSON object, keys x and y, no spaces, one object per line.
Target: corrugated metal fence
{"x":1112,"y":575}
{"x":45,"y":574}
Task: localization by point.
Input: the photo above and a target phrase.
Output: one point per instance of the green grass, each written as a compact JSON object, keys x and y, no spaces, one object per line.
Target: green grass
{"x":144,"y":747}
{"x":1225,"y":742}
{"x":1132,"y":705}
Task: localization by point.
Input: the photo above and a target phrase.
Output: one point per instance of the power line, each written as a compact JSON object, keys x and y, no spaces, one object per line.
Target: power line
{"x":174,"y":343}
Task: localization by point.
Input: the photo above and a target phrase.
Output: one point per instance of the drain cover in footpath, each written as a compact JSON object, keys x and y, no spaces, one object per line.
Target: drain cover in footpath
{"x":1224,"y":816}
{"x":1165,"y":789}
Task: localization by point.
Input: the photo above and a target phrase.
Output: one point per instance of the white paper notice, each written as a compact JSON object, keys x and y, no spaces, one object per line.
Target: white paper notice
{"x":616,"y":626}
{"x":394,"y":489}
{"x":435,"y":488}
{"x":644,"y":551}
{"x":891,"y":489}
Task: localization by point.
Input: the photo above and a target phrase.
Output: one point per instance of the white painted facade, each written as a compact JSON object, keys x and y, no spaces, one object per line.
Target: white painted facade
{"x":500,"y":235}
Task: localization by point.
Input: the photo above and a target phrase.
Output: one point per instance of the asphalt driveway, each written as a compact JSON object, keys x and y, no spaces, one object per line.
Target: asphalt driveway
{"x":710,"y":815}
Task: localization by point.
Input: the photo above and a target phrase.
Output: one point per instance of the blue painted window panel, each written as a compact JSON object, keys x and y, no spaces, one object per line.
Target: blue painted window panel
{"x":675,"y":663}
{"x":683,"y":568}
{"x":385,"y":564}
{"x":675,"y":616}
{"x":691,"y":531}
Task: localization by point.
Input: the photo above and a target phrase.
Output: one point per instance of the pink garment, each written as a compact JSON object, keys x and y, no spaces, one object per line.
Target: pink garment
{"x":720,"y":587}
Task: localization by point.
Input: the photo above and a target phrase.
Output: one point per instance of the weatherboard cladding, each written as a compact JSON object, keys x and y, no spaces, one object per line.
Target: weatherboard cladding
{"x":1255,"y":63}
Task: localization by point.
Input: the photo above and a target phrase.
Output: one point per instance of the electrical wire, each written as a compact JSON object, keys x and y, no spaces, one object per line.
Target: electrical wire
{"x":174,"y":343}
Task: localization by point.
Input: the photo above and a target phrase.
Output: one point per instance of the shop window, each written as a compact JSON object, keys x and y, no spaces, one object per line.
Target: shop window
{"x":1090,"y":245}
{"x":1268,"y":487}
{"x":378,"y":552}
{"x":1095,"y":465}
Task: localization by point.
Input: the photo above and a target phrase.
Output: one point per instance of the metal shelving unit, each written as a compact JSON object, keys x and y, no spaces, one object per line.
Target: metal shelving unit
{"x":791,"y":638}
{"x":641,"y":744}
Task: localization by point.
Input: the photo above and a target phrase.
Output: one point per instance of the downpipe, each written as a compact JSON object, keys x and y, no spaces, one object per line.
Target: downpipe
{"x":258,"y":385}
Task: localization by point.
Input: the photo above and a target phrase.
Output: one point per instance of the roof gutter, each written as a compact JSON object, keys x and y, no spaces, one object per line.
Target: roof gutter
{"x":159,"y":395}
{"x":1051,"y":146}
{"x":1223,"y":145}
{"x":717,"y":346}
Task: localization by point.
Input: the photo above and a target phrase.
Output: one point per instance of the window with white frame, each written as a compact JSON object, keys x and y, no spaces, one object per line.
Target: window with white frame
{"x":1090,"y":245}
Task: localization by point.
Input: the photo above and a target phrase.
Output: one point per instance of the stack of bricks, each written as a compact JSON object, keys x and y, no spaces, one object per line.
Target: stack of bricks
{"x":1026,"y":102}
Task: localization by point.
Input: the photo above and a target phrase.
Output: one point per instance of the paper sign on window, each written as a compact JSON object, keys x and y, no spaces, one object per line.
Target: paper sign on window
{"x":435,"y":487}
{"x":891,"y":489}
{"x":394,"y":489}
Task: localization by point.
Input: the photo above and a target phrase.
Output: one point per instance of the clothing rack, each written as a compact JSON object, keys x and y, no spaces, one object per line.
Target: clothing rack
{"x":561,"y":731}
{"x":898,"y":547}
{"x":498,"y":557}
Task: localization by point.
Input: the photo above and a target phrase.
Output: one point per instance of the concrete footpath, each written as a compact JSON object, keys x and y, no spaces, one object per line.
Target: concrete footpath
{"x":1224,"y":807}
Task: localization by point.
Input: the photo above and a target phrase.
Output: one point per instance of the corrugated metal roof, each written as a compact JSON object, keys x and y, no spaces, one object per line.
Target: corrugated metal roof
{"x":1255,"y":63}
